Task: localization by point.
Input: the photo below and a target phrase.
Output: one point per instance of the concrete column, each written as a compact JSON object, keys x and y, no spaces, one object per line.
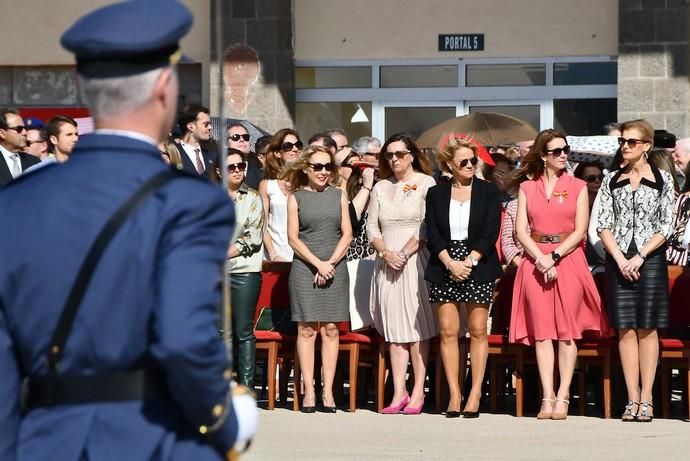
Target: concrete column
{"x":258,"y":60}
{"x":653,"y":63}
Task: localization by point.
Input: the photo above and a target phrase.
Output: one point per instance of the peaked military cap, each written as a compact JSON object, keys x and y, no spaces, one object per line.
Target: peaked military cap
{"x":128,"y":38}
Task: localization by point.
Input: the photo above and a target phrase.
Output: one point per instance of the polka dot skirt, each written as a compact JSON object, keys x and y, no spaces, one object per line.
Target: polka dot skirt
{"x":468,"y":291}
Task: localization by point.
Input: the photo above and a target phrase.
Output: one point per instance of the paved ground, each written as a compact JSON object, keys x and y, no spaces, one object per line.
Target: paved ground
{"x":365,"y":435}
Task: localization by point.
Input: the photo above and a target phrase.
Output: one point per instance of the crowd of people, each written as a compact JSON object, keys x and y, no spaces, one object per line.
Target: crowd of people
{"x":385,"y":236}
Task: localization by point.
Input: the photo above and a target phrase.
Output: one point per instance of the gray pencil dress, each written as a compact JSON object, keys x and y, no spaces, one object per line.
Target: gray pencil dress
{"x":320,"y":215}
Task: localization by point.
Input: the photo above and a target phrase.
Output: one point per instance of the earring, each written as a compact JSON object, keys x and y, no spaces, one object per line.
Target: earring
{"x":646,"y":155}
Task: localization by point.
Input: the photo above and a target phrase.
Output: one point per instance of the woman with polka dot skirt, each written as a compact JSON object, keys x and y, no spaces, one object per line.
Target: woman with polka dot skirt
{"x":463,"y":219}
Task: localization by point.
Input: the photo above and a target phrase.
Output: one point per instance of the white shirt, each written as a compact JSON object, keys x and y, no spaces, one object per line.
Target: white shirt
{"x":190,"y":151}
{"x":459,"y":219}
{"x":14,"y":163}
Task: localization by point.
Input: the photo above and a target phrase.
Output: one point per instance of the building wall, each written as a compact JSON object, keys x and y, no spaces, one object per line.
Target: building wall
{"x":653,"y":64}
{"x":35,"y":28}
{"x":395,"y":29}
{"x":258,"y":61}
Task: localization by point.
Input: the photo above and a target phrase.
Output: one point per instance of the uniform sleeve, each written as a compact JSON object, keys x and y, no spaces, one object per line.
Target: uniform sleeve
{"x":373,"y":228}
{"x":509,"y":244}
{"x":251,"y":239}
{"x":605,"y":216}
{"x":9,"y":392}
{"x":186,"y":318}
{"x":667,"y":210}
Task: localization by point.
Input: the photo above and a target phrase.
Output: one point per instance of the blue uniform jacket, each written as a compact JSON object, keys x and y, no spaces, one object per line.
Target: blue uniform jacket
{"x":154,"y":294}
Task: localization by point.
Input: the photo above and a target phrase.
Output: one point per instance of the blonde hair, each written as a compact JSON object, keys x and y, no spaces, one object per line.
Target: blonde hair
{"x":295,"y":173}
{"x":448,"y":152}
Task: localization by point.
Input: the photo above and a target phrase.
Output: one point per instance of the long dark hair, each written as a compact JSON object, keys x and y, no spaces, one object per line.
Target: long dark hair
{"x":420,"y":162}
{"x":274,"y":165}
{"x":532,"y":164}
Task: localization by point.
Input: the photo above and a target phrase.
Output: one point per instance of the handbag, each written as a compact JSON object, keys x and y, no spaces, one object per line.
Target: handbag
{"x":275,"y":320}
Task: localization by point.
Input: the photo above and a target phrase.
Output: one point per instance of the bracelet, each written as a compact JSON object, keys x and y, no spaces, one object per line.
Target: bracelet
{"x":367,"y":188}
{"x":273,"y":256}
{"x":642,"y":257}
{"x":404,"y":255}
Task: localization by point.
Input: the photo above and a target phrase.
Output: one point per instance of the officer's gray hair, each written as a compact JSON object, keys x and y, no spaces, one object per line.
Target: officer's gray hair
{"x":116,"y":96}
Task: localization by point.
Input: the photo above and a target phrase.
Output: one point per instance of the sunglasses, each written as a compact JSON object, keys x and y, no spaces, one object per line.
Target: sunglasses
{"x":241,"y":166}
{"x":594,"y":177}
{"x":557,"y":152}
{"x":287,"y":146}
{"x":236,"y":137}
{"x":18,"y":129}
{"x":31,"y":143}
{"x":321,"y":166}
{"x":632,"y":142}
{"x":400,"y":154}
{"x":463,"y":163}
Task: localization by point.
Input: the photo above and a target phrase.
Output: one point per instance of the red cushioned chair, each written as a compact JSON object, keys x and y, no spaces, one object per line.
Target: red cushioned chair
{"x":351,"y":343}
{"x":500,"y":350}
{"x":596,"y":350}
{"x":674,"y":344}
{"x":274,"y":293}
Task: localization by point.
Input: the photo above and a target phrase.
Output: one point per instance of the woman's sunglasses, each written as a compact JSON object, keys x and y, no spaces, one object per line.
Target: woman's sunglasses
{"x":236,"y":137}
{"x":594,"y":177}
{"x":241,"y":166}
{"x":287,"y":146}
{"x":321,"y":166}
{"x":463,"y":163}
{"x":632,"y":142}
{"x":400,"y":154}
{"x":558,"y":151}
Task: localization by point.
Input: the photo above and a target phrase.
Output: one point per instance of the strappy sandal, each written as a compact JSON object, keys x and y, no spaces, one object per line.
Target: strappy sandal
{"x":563,"y":415}
{"x":628,"y":414}
{"x":543,"y":414}
{"x":642,"y":415}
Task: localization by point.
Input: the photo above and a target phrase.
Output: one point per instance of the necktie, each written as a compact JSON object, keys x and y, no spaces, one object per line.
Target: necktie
{"x":15,"y":167}
{"x":199,"y":162}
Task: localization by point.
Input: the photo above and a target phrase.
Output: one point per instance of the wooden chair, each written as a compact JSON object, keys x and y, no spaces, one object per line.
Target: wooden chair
{"x":501,"y":352}
{"x":276,"y":346}
{"x":351,"y":343}
{"x":598,"y":351}
{"x":674,"y":344}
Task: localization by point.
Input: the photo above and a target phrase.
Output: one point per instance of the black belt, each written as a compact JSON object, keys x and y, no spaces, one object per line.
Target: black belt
{"x":49,"y":390}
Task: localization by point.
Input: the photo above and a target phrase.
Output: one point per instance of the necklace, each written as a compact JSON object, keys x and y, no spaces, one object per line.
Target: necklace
{"x":460,"y":186}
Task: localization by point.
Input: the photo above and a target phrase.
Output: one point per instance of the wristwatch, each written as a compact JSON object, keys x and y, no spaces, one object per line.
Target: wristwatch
{"x":555,"y":256}
{"x":474,"y":260}
{"x":382,"y":253}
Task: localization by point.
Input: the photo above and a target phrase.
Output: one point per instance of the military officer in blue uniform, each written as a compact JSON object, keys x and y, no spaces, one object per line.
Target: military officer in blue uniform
{"x":139,"y":373}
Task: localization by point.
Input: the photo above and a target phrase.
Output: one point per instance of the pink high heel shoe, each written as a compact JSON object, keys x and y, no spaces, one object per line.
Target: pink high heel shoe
{"x":414,"y":411}
{"x":395,"y":409}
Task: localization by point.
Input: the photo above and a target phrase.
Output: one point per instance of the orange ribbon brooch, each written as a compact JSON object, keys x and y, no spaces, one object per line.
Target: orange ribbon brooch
{"x":409,"y":187}
{"x":562,"y":195}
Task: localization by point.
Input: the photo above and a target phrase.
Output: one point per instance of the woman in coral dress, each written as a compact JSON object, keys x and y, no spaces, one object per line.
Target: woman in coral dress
{"x":555,"y":298}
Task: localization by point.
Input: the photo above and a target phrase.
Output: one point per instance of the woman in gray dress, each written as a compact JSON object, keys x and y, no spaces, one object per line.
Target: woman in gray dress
{"x":319,"y":232}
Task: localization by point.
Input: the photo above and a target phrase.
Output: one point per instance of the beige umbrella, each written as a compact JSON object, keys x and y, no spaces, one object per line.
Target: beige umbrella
{"x":489,"y":128}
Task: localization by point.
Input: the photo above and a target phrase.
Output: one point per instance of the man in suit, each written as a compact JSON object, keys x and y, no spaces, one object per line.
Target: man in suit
{"x":13,"y":160}
{"x":138,"y":373}
{"x":195,"y":124}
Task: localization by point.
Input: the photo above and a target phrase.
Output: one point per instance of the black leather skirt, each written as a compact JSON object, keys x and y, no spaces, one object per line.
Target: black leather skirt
{"x":643,"y":303}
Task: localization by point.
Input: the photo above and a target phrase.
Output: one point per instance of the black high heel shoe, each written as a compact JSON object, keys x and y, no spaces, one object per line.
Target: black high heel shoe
{"x":472,"y":414}
{"x":452,"y":414}
{"x":327,"y":409}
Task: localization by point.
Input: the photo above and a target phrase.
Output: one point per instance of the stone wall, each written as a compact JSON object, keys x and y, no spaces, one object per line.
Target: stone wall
{"x":258,"y":60}
{"x":653,"y":63}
